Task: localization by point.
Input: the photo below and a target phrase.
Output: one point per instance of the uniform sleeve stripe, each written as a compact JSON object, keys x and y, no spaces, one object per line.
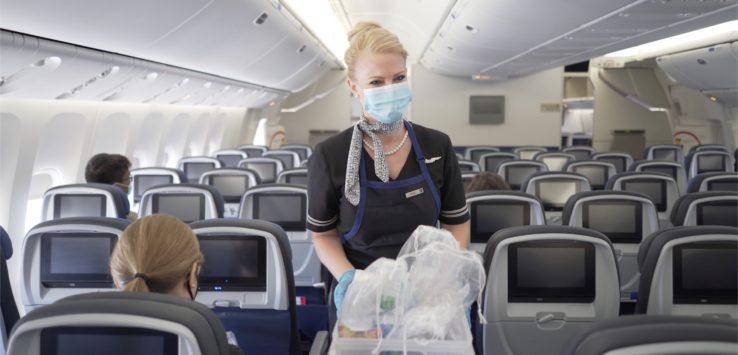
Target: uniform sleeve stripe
{"x":320,"y":223}
{"x":455,"y":213}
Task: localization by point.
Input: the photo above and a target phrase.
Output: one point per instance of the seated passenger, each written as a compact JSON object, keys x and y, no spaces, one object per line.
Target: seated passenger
{"x":487,"y":181}
{"x":159,"y":253}
{"x":112,"y":169}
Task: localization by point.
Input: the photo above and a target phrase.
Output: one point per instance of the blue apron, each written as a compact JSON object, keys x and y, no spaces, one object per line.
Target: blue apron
{"x":388,"y":212}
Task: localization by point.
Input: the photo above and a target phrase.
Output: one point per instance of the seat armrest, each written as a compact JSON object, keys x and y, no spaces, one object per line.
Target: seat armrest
{"x":320,"y":344}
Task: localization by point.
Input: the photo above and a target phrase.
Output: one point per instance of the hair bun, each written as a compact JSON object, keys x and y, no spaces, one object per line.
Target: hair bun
{"x":362,"y":27}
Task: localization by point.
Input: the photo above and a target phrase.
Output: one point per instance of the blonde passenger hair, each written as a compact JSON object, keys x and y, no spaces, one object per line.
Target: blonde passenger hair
{"x":160,"y":249}
{"x":374,"y":38}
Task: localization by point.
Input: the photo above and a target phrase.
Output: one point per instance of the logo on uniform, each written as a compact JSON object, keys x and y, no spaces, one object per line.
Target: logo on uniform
{"x":414,"y":193}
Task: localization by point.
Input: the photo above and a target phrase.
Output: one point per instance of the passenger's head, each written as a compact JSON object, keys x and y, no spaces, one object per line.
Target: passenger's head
{"x":113,"y":169}
{"x":375,"y":58}
{"x":157,"y":253}
{"x":487,"y":181}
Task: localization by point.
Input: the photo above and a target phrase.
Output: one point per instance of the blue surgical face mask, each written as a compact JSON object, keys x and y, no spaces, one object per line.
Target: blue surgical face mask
{"x":387,"y":103}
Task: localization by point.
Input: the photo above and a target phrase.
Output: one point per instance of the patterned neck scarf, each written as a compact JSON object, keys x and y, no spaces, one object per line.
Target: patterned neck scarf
{"x":352,"y":189}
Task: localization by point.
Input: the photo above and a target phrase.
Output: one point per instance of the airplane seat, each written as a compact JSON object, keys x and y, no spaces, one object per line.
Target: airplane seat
{"x":232,"y":183}
{"x":546,"y":283}
{"x":68,"y":256}
{"x":305,"y":163}
{"x":715,"y":181}
{"x":84,"y":200}
{"x":117,"y":323}
{"x":229,"y":158}
{"x":673,"y":169}
{"x":490,"y":161}
{"x":247,"y":280}
{"x":555,"y":161}
{"x":712,"y":208}
{"x":621,"y":161}
{"x":468,"y":166}
{"x":516,"y":172}
{"x":475,"y":153}
{"x":188,"y":202}
{"x":144,"y":178}
{"x":268,"y":168}
{"x":289,"y":158}
{"x":664,"y":152}
{"x":708,"y":148}
{"x":596,"y":171}
{"x":467,"y":177}
{"x":689,"y":271}
{"x":554,"y":188}
{"x":297,"y":176}
{"x":626,"y":218}
{"x":662,"y":190}
{"x":8,"y":307}
{"x":194,"y":167}
{"x":492,"y":211}
{"x":698,"y":162}
{"x":653,"y":334}
{"x":303,"y":150}
{"x":528,"y":152}
{"x":253,"y":151}
{"x":580,"y":152}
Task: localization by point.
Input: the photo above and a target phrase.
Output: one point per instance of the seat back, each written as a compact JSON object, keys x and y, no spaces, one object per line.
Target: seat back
{"x":554,"y":189}
{"x":303,"y":150}
{"x":621,"y":161}
{"x":664,"y":152}
{"x":466,"y":178}
{"x":626,"y":218}
{"x":516,"y":172}
{"x":490,"y":161}
{"x":117,"y":323}
{"x":580,"y":153}
{"x":492,"y":211}
{"x":546,"y":283}
{"x":467,"y":166}
{"x":596,"y":171}
{"x":229,"y":158}
{"x":714,"y":182}
{"x":8,"y":308}
{"x":708,"y":148}
{"x":293,"y":176}
{"x":268,"y":168}
{"x":232,"y":184}
{"x":188,"y":202}
{"x":248,"y":280}
{"x":144,"y":178}
{"x":673,"y":169}
{"x":647,"y":335}
{"x":288,"y":158}
{"x":253,"y":151}
{"x":528,"y":152}
{"x":84,"y":200}
{"x":699,"y":162}
{"x":475,"y":153}
{"x":662,"y":189}
{"x":711,"y":208}
{"x":555,"y":161}
{"x":65,"y":257}
{"x":689,"y":271}
{"x":194,"y":167}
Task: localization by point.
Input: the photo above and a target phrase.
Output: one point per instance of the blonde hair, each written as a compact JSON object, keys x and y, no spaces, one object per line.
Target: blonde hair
{"x":373,"y":37}
{"x":154,"y":254}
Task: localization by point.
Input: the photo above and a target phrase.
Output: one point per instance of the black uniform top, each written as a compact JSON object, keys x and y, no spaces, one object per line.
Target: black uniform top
{"x":327,"y":174}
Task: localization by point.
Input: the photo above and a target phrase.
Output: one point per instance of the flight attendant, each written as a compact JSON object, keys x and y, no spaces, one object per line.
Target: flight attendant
{"x":371,"y":185}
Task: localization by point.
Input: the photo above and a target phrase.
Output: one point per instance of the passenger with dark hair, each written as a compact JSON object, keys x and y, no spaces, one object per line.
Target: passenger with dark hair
{"x":112,"y":169}
{"x":487,"y":181}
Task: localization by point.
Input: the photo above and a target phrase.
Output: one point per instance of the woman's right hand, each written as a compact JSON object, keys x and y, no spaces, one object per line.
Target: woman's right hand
{"x":343,"y":284}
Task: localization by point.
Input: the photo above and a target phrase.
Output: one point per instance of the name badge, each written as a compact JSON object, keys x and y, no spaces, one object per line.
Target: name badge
{"x":414,"y":193}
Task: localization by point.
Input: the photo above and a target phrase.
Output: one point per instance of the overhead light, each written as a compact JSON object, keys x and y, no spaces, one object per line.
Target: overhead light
{"x":713,"y":98}
{"x":320,"y":18}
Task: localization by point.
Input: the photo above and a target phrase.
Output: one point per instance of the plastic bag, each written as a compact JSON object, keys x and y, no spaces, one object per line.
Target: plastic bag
{"x":422,"y":296}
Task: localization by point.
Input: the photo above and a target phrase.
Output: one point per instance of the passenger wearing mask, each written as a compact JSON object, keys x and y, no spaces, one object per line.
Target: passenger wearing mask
{"x":373,"y":184}
{"x":161,"y":254}
{"x":112,"y":169}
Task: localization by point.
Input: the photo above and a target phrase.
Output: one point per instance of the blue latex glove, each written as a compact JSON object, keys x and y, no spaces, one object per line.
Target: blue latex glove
{"x":340,"y":291}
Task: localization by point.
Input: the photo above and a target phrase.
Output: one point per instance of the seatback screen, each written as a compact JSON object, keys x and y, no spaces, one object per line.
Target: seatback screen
{"x":141,"y":183}
{"x":466,"y":167}
{"x":667,"y":170}
{"x":551,"y":272}
{"x":108,"y":341}
{"x":288,"y":210}
{"x":488,"y":217}
{"x":477,"y":153}
{"x":654,"y":189}
{"x":555,"y":193}
{"x":705,"y":273}
{"x":621,"y":221}
{"x":491,"y":163}
{"x":233,"y":263}
{"x":298,"y":179}
{"x":619,"y":162}
{"x":230,"y":160}
{"x":76,"y":260}
{"x":528,"y":154}
{"x":266,"y":171}
{"x":555,"y":163}
{"x":723,"y":185}
{"x":79,"y":205}
{"x":193,"y":171}
{"x":286,"y":160}
{"x":597,"y":175}
{"x":718,"y":213}
{"x":185,"y":206}
{"x":231,"y":187}
{"x":252,"y":152}
{"x":664,"y":154}
{"x":516,"y":175}
{"x":579,"y":154}
{"x":707,"y":163}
